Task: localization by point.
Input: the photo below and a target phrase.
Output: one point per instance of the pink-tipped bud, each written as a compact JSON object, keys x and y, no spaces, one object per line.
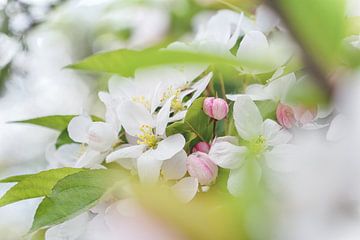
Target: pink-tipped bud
{"x":285,"y":116}
{"x":216,"y":108}
{"x":304,"y":115}
{"x":201,"y":147}
{"x":200,"y":166}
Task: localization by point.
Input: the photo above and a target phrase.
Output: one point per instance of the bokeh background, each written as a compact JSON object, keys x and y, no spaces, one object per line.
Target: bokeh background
{"x":39,"y":37}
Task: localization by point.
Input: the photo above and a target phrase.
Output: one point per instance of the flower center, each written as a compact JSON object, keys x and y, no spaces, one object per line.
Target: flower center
{"x":142,"y":100}
{"x":258,"y":145}
{"x":147,"y":136}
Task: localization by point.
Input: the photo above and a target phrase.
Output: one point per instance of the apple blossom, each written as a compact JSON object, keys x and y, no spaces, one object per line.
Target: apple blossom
{"x":215,"y":108}
{"x":153,"y":150}
{"x":265,"y":139}
{"x":200,"y":166}
{"x":98,"y":136}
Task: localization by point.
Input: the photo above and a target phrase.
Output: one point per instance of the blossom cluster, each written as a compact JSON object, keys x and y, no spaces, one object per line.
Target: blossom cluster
{"x":140,"y":110}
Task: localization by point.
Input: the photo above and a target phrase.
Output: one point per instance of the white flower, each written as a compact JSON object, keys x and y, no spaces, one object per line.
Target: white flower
{"x":267,"y":55}
{"x":152,"y":87}
{"x":65,"y":156}
{"x":276,"y":90}
{"x":153,"y":150}
{"x":98,"y":136}
{"x":265,"y":140}
{"x":220,"y":33}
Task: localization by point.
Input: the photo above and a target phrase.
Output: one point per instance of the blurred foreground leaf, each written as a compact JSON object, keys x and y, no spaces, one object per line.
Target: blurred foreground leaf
{"x":125,"y":62}
{"x":35,"y":185}
{"x":56,"y":122}
{"x":73,"y":195}
{"x":319,"y":25}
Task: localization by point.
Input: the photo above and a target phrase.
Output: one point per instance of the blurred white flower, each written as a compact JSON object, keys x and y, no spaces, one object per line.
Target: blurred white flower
{"x":8,"y":48}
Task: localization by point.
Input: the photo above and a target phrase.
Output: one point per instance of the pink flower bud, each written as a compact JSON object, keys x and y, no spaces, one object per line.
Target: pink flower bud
{"x":216,"y":108}
{"x":201,"y":147}
{"x":304,"y":115}
{"x":285,"y":115}
{"x":200,"y":166}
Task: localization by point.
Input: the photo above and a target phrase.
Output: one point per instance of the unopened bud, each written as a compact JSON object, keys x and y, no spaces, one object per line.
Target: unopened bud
{"x":216,"y":108}
{"x":201,"y":147}
{"x":200,"y":166}
{"x":285,"y":116}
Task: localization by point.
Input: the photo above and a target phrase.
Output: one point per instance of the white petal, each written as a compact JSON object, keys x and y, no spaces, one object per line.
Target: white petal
{"x":278,"y":89}
{"x":78,"y":128}
{"x":90,"y":159}
{"x":281,"y":158}
{"x":101,"y":136}
{"x":227,"y":155}
{"x":338,"y":128}
{"x":186,"y":189}
{"x":148,"y":168}
{"x":199,"y":87}
{"x":163,"y":117}
{"x":178,"y":116}
{"x":132,"y":116}
{"x":257,"y":92}
{"x":168,"y":147}
{"x":175,"y":168}
{"x":275,"y":134}
{"x":266,"y":20}
{"x":133,"y":151}
{"x":244,"y":178}
{"x":248,"y":120}
{"x":229,"y":139}
{"x":253,"y":47}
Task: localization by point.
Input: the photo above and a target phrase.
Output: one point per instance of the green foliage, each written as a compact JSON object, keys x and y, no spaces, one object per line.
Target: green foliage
{"x":56,"y":122}
{"x":13,"y":179}
{"x":267,"y":109}
{"x":73,"y":195}
{"x":125,"y":62}
{"x":63,"y":139}
{"x":319,"y":25}
{"x":195,"y":124}
{"x":35,"y":185}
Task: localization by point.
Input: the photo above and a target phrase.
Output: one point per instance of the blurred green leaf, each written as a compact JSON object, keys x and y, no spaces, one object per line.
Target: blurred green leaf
{"x":63,"y":139}
{"x":319,"y":25}
{"x":36,"y":185}
{"x":39,"y":235}
{"x":56,"y":122}
{"x":307,"y":93}
{"x":125,"y":62}
{"x":73,"y":195}
{"x":13,"y":179}
{"x":267,"y":109}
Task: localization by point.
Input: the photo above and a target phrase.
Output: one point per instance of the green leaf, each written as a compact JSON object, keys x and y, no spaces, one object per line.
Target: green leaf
{"x":267,"y":109}
{"x":13,"y":179}
{"x":73,"y":195}
{"x":39,"y":235}
{"x":63,"y":139}
{"x":56,"y":122}
{"x":196,"y":123}
{"x":319,"y":25}
{"x":125,"y":62}
{"x":35,"y":185}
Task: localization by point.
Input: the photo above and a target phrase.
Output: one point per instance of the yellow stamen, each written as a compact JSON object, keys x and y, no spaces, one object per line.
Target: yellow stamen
{"x":147,"y":137}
